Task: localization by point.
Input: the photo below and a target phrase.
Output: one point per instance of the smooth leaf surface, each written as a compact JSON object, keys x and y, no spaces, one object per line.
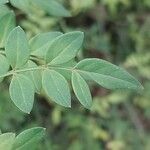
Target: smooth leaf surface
{"x":56,"y":87}
{"x":4,"y":66}
{"x":17,"y":49}
{"x":28,"y":138}
{"x":52,"y":7}
{"x":3,"y":2}
{"x":107,"y":74}
{"x":22,"y":92}
{"x":81,"y":90}
{"x":34,"y":75}
{"x":41,"y":43}
{"x":64,"y":48}
{"x":24,"y":5}
{"x":6,"y":141}
{"x":3,"y":10}
{"x":7,"y":23}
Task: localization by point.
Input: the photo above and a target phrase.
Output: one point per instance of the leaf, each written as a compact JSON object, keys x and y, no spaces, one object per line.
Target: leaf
{"x":7,"y":23}
{"x":56,"y":87}
{"x":81,"y":90}
{"x":34,"y":75}
{"x":41,"y":43}
{"x":6,"y":141}
{"x":28,"y":138}
{"x":64,"y":48}
{"x":3,"y":10}
{"x":24,"y":5}
{"x":22,"y":92}
{"x":17,"y":49}
{"x":52,"y":7}
{"x":107,"y":74}
{"x":65,"y":70}
{"x":3,"y":2}
{"x":4,"y":66}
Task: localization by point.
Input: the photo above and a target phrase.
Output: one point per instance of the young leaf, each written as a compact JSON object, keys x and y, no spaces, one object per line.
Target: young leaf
{"x":28,"y":138}
{"x":22,"y":92}
{"x":6,"y":141}
{"x":41,"y":42}
{"x":7,"y":23}
{"x":52,"y":7}
{"x":107,"y":74}
{"x":34,"y":75}
{"x":64,"y":48}
{"x":4,"y":66}
{"x":81,"y":90}
{"x":17,"y":49}
{"x":56,"y":87}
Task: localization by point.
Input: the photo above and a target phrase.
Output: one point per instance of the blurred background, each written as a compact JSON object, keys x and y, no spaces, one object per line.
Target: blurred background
{"x":117,"y":31}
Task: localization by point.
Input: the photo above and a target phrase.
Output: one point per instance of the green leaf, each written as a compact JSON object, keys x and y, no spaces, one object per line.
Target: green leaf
{"x":28,"y":138}
{"x":64,"y":48}
{"x":41,"y":43}
{"x":17,"y":49}
{"x":22,"y":92}
{"x":107,"y":74}
{"x":81,"y":90}
{"x":56,"y":87}
{"x":4,"y":66}
{"x":3,"y":10}
{"x":34,"y":75}
{"x":7,"y":23}
{"x":24,"y":5}
{"x":52,"y":7}
{"x":6,"y":141}
{"x":65,"y":69}
{"x":3,"y":2}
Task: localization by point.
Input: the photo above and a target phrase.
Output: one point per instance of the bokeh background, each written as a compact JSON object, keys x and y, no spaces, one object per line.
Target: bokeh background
{"x":117,"y":31}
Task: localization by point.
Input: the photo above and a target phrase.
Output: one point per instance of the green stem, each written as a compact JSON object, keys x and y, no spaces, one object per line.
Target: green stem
{"x":21,"y":70}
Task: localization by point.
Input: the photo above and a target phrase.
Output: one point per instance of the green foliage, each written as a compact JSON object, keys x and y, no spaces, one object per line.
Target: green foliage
{"x":50,"y":6}
{"x":22,"y":92}
{"x":56,"y":87}
{"x":3,"y":2}
{"x":117,"y":31}
{"x":7,"y":140}
{"x":17,"y":49}
{"x":61,"y":50}
{"x":25,"y":140}
{"x":81,"y":90}
{"x":7,"y":24}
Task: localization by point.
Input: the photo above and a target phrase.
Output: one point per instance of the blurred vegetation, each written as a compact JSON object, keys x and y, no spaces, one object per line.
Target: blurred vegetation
{"x":115,"y":30}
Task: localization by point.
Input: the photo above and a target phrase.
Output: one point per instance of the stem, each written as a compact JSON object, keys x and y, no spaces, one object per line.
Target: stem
{"x":36,"y":68}
{"x":21,"y":70}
